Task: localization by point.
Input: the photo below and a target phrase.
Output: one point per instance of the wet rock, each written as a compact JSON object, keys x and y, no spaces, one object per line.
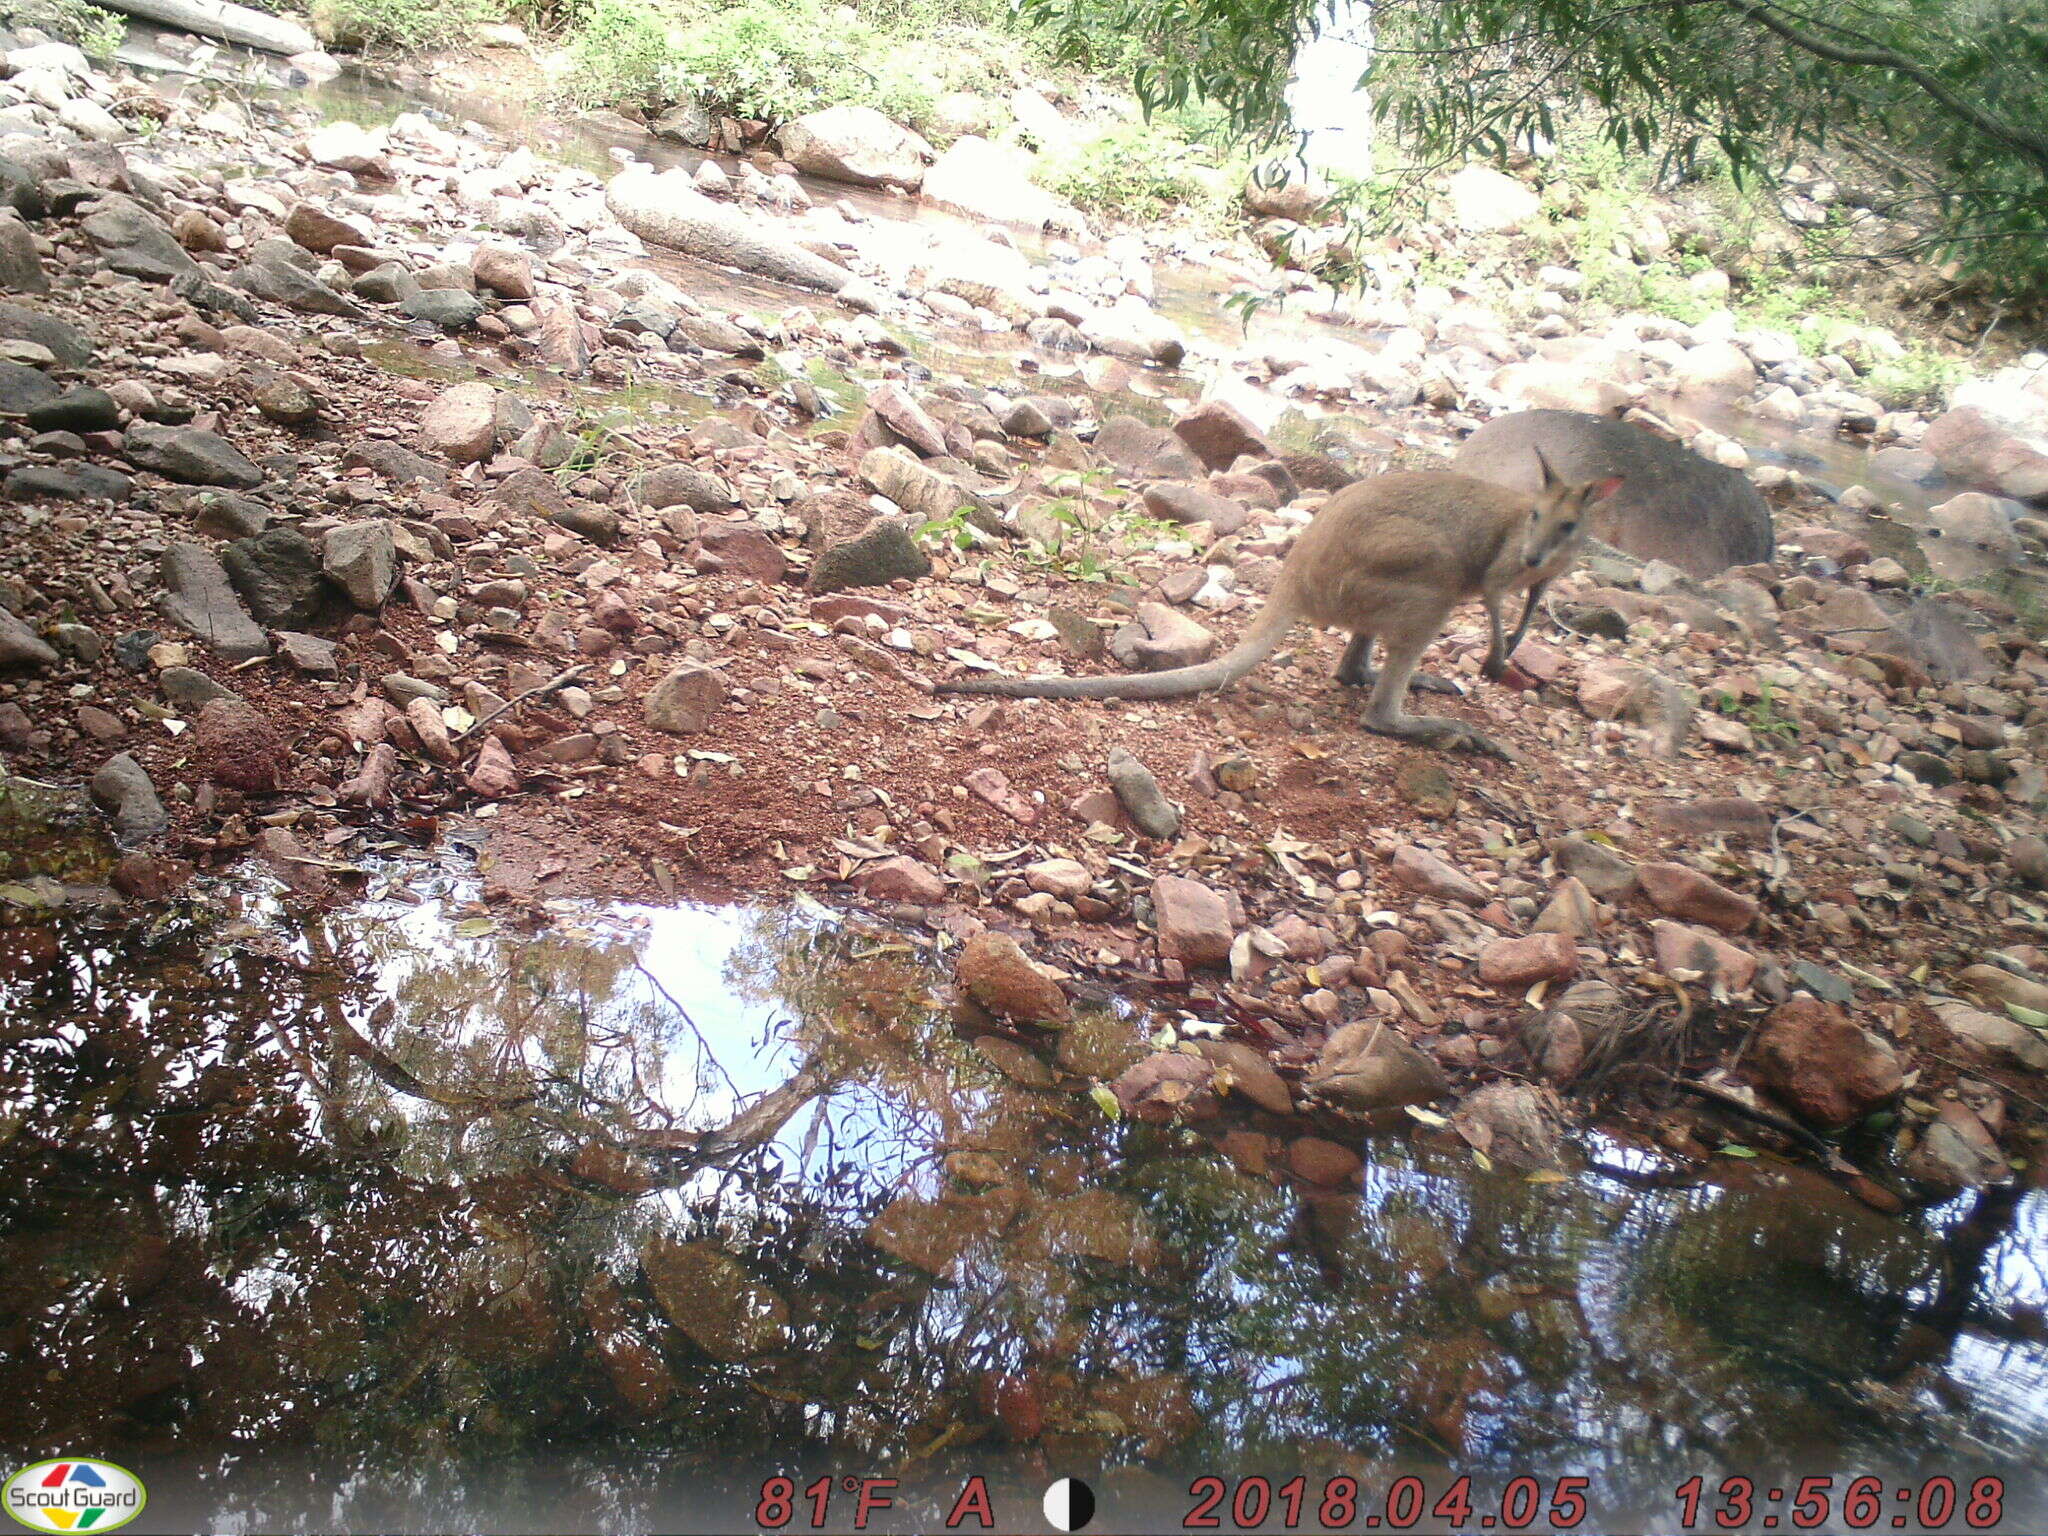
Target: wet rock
{"x":1100,"y":1045}
{"x":189,"y":455}
{"x":1829,"y":1070}
{"x":1138,"y":792}
{"x":710,"y":1295}
{"x":1977,"y":450}
{"x":1133,"y":330}
{"x":1244,"y":1071}
{"x":668,"y":210}
{"x":998,"y":975}
{"x":122,"y":789}
{"x":681,"y":485}
{"x":1957,"y":1152}
{"x":1993,"y":1038}
{"x":198,"y":597}
{"x":277,"y":573}
{"x":1316,"y":1160}
{"x":461,"y":425}
{"x":902,"y":879}
{"x":1155,"y":1089}
{"x":361,"y":559}
{"x":883,"y":553}
{"x":684,"y":702}
{"x":1145,"y":451}
{"x":1368,"y":1065}
{"x":858,"y":145}
{"x":1194,"y":922}
{"x":1517,"y":963}
{"x":932,"y":1235}
{"x":1691,"y":897}
{"x":21,"y":650}
{"x":237,"y":745}
{"x":1709,"y":955}
{"x":147,"y":877}
{"x":1420,"y":870}
{"x":65,"y":482}
{"x":1512,"y":1123}
{"x":1159,"y":639}
{"x":1016,"y":1061}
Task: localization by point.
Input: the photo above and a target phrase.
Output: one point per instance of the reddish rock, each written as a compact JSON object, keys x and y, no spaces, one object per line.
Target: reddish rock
{"x":1421,"y":870}
{"x":424,"y":716}
{"x":991,"y":786}
{"x":1193,"y":921}
{"x":1729,"y":815}
{"x":1515,"y":963}
{"x":492,"y":774}
{"x":1000,"y":976}
{"x":1218,"y":433}
{"x":288,"y":860}
{"x":1608,"y":688}
{"x":147,"y":877}
{"x":684,"y":701}
{"x":742,"y":551}
{"x":1317,"y":1161}
{"x":1829,"y":1069}
{"x":1251,"y":1075}
{"x":1155,"y":1089}
{"x":239,"y":747}
{"x":462,"y":425}
{"x":901,"y":879}
{"x":1680,"y":948}
{"x":1684,"y":893}
{"x":371,"y":784}
{"x":1064,"y":878}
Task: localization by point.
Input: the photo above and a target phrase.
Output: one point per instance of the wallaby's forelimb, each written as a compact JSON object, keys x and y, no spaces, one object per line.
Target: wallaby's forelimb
{"x":1497,"y":659}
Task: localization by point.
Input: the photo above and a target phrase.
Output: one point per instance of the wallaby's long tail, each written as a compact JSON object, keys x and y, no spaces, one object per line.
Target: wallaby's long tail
{"x":1264,"y":637}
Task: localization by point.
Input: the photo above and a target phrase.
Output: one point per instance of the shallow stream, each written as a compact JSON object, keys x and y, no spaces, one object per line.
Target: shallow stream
{"x":409,"y":1217}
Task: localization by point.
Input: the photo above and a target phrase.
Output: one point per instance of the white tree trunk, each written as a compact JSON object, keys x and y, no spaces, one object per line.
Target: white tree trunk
{"x":229,"y":23}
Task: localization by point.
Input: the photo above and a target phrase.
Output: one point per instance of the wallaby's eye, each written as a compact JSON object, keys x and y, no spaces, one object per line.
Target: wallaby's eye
{"x":1571,"y":527}
{"x":1534,"y":514}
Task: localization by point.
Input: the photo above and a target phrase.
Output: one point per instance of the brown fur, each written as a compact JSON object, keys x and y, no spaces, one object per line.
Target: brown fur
{"x":1387,"y":559}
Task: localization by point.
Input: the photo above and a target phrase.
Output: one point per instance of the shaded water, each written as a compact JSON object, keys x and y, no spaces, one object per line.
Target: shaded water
{"x":406,"y":1219}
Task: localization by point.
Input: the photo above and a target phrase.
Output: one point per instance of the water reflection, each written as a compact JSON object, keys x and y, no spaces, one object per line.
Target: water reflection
{"x":405,"y":1219}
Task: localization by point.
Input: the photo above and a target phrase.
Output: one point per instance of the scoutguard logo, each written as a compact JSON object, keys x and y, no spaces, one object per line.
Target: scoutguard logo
{"x":77,"y":1494}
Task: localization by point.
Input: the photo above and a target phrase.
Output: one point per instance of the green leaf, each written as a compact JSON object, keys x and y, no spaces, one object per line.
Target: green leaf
{"x":1105,"y":1101}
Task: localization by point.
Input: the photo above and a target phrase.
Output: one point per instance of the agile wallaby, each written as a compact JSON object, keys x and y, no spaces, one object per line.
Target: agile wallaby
{"x":1386,"y":559}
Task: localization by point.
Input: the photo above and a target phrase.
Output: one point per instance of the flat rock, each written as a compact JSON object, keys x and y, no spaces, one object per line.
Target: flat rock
{"x":198,"y":597}
{"x":884,"y":552}
{"x":1194,"y":922}
{"x":189,"y":455}
{"x":684,"y":702}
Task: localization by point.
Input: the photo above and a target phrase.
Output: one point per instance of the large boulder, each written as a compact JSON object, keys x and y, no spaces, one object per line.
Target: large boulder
{"x":856,"y":144}
{"x":1980,"y":449}
{"x":989,"y":181}
{"x":667,"y":209}
{"x":1673,"y":505}
{"x":1484,"y":200}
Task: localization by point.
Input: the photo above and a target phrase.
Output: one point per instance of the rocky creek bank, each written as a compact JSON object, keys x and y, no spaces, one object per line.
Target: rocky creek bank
{"x":364,"y":484}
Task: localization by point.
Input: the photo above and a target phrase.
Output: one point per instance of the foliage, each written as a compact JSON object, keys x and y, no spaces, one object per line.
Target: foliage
{"x":1133,"y":171}
{"x":93,"y":31}
{"x":1919,"y":381}
{"x":778,"y":59}
{"x":1763,"y":717}
{"x":401,"y":26}
{"x":1939,"y":105}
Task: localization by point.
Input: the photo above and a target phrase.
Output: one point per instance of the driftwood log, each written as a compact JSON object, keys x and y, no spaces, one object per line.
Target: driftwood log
{"x":219,"y":19}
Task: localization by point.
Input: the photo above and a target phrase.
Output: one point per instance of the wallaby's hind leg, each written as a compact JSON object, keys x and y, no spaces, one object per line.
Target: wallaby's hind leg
{"x":1352,"y":671}
{"x":1384,"y":714}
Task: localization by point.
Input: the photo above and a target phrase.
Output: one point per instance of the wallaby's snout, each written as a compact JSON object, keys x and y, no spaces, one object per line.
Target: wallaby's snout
{"x":1557,"y":524}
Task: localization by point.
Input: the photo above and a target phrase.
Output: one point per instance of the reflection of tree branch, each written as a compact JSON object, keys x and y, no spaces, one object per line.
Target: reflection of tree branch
{"x":683,"y":1013}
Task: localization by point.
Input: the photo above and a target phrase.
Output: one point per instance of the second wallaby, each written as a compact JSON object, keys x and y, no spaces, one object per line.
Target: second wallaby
{"x":1386,"y":559}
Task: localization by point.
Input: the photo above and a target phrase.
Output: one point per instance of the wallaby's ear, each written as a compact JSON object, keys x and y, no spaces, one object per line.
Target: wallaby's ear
{"x":1549,"y":479}
{"x":1602,"y":489}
